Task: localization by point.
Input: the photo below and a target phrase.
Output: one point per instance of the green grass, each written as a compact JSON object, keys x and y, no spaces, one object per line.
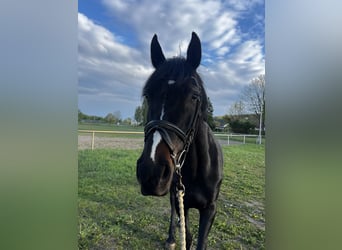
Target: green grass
{"x":108,"y":127}
{"x":114,"y":215}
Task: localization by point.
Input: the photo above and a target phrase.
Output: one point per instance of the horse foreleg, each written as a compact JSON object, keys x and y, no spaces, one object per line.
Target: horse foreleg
{"x":207,"y":216}
{"x":171,"y":242}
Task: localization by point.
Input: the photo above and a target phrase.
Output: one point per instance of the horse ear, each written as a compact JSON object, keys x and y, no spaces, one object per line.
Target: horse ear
{"x":194,"y":52}
{"x":157,"y":56}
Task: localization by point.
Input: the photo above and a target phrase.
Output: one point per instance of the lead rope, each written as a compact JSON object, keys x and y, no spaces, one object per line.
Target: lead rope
{"x":180,"y":188}
{"x":180,"y":195}
{"x":180,"y":191}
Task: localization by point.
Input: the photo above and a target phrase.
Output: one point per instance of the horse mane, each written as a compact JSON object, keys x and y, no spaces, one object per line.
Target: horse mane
{"x":177,"y":69}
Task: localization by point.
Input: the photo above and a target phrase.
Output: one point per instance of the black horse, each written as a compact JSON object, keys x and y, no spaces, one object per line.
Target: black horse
{"x":177,"y":134}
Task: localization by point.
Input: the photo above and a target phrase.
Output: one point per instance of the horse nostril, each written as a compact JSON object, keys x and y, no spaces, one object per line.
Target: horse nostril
{"x":166,"y":173}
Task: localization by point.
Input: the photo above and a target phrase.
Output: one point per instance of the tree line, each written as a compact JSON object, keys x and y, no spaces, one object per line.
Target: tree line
{"x":111,"y":118}
{"x":249,"y":111}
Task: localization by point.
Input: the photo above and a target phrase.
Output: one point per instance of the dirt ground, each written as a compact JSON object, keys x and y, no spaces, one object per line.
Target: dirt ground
{"x":84,"y":142}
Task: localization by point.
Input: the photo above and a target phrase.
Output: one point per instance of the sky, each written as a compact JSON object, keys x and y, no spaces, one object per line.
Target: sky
{"x":114,"y":39}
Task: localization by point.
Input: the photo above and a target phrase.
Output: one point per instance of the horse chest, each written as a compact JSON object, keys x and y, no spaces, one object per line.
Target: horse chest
{"x":196,"y":196}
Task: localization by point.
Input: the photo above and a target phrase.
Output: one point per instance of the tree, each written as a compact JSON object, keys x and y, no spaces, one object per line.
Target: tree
{"x":253,"y":95}
{"x":117,"y":116}
{"x":240,"y":126}
{"x":237,"y":109}
{"x":113,"y":117}
{"x":81,"y":116}
{"x":140,"y":113}
{"x":127,"y":121}
{"x":110,"y":118}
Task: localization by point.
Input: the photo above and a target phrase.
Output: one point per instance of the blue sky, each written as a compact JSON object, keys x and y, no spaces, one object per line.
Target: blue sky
{"x":114,"y":38}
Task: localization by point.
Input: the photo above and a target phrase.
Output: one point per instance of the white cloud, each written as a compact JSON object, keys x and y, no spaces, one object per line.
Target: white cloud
{"x":110,"y":69}
{"x":222,"y":51}
{"x":241,"y":5}
{"x":173,"y":21}
{"x":249,"y":60}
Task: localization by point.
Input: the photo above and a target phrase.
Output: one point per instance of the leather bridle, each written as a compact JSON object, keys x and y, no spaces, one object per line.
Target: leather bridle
{"x":165,"y":127}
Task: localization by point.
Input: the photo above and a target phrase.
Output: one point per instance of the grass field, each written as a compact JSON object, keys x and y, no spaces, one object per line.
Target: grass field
{"x":114,"y":215}
{"x":109,"y":127}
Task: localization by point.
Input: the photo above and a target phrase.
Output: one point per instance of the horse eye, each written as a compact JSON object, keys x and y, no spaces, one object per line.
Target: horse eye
{"x":195,"y":97}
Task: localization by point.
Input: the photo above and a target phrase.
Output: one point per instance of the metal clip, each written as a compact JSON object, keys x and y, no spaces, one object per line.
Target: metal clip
{"x":180,"y":186}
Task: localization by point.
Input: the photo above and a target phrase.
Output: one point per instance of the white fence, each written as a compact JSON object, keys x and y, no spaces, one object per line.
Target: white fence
{"x":224,"y":139}
{"x":238,"y":138}
{"x":106,"y":132}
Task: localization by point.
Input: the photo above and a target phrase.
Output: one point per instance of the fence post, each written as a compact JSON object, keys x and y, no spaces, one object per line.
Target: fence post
{"x":244,"y":139}
{"x":92,"y":141}
{"x":228,"y":138}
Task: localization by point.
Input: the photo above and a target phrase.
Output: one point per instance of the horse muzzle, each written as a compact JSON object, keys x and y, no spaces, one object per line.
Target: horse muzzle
{"x":154,"y":179}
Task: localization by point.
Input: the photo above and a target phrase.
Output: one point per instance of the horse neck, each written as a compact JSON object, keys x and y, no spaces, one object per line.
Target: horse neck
{"x":202,"y":130}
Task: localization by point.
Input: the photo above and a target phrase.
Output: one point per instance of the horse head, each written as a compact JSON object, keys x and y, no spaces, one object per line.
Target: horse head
{"x":177,"y":102}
